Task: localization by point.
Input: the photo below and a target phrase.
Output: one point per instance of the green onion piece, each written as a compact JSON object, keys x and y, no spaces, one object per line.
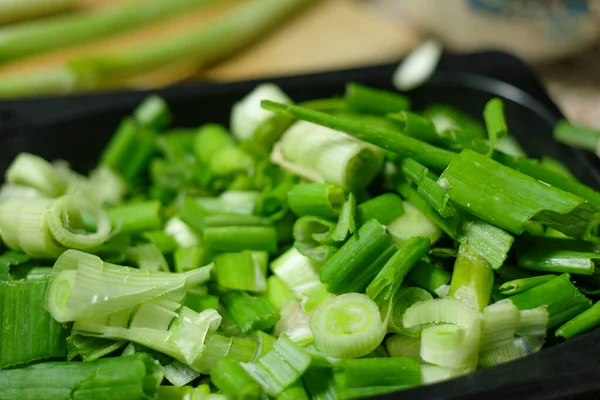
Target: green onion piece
{"x":8,"y":259}
{"x":231,"y":379}
{"x":164,"y":242}
{"x":446,"y":117}
{"x":298,"y":273}
{"x":389,"y":279}
{"x":486,"y":240}
{"x":294,"y":323}
{"x":403,"y":299}
{"x":346,"y":224}
{"x":388,"y":139}
{"x":533,"y":322}
{"x":517,"y":286}
{"x":247,"y":115}
{"x":229,"y":160}
{"x":269,"y":132}
{"x":33,"y":171}
{"x":366,"y":377}
{"x":348,"y":325}
{"x":153,"y":113}
{"x":516,"y":348}
{"x":209,"y":139}
{"x":230,"y":202}
{"x":179,"y":374}
{"x":280,"y":367}
{"x":321,"y":154}
{"x":28,"y":331}
{"x":24,"y":227}
{"x":189,"y":258}
{"x":537,"y":170}
{"x":319,"y":383}
{"x":434,"y":373}
{"x":404,"y":346}
{"x":91,"y":348}
{"x":415,"y":126}
{"x":107,"y":184}
{"x":14,"y":191}
{"x":131,"y":377}
{"x":429,"y":277}
{"x":577,"y":136}
{"x":509,"y":145}
{"x":359,"y":260}
{"x":317,"y":199}
{"x":559,"y":255}
{"x":278,"y":292}
{"x":242,"y":271}
{"x":582,"y":323}
{"x":384,"y":208}
{"x":293,"y":392}
{"x":493,"y":114}
{"x":264,"y":343}
{"x":219,"y":347}
{"x":370,"y":100}
{"x":83,"y":285}
{"x":147,"y":257}
{"x":12,"y":11}
{"x":499,"y":324}
{"x":435,"y":194}
{"x":250,"y":313}
{"x":459,"y":139}
{"x":413,"y":223}
{"x":453,"y":344}
{"x":559,"y":295}
{"x":239,"y":238}
{"x":135,"y":217}
{"x":500,"y":195}
{"x":472,"y":279}
{"x":313,"y":237}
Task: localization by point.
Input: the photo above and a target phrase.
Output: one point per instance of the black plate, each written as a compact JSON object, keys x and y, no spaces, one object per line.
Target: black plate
{"x":76,"y":128}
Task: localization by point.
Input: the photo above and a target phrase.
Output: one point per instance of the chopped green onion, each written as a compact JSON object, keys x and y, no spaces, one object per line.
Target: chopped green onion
{"x":28,"y":331}
{"x":280,"y":367}
{"x":348,"y":325}
{"x":8,"y":259}
{"x":135,"y":217}
{"x":294,"y":323}
{"x":429,"y":277}
{"x":472,"y":279}
{"x":582,"y":323}
{"x":520,"y":285}
{"x":130,"y":377}
{"x":559,"y":295}
{"x":231,"y":379}
{"x":294,"y":392}
{"x":278,"y":292}
{"x":516,"y":348}
{"x":436,"y":194}
{"x":499,"y":324}
{"x":33,"y":171}
{"x":189,"y":258}
{"x":164,"y":242}
{"x":250,"y":313}
{"x":319,"y":383}
{"x":247,"y":115}
{"x":388,"y":139}
{"x":434,"y":373}
{"x":153,"y":113}
{"x":384,"y":208}
{"x":314,"y":238}
{"x":559,"y":256}
{"x":83,"y":285}
{"x":493,"y":114}
{"x":91,"y":348}
{"x":577,"y":136}
{"x":533,"y":322}
{"x":359,"y":260}
{"x":366,"y":377}
{"x":182,"y":233}
{"x":413,"y":223}
{"x":321,"y":154}
{"x":500,"y":195}
{"x":179,"y":374}
{"x":209,"y":139}
{"x":239,"y":238}
{"x":346,"y":224}
{"x":418,"y":66}
{"x":404,"y":346}
{"x":370,"y":100}
{"x":413,"y":125}
{"x":486,"y":240}
{"x":264,"y":343}
{"x":454,"y":343}
{"x":316,"y":199}
{"x":389,"y":279}
{"x":148,"y":257}
{"x":242,"y":271}
{"x":404,"y":298}
{"x":230,"y":202}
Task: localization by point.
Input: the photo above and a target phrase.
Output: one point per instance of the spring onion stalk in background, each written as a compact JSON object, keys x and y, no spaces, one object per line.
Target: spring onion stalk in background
{"x":203,"y":45}
{"x":16,"y":11}
{"x":79,"y":27}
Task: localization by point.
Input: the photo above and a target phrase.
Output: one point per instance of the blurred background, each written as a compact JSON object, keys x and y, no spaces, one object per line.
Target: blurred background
{"x":50,"y":47}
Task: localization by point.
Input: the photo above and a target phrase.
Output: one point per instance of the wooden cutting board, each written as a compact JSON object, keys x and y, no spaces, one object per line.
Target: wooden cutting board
{"x":328,"y":35}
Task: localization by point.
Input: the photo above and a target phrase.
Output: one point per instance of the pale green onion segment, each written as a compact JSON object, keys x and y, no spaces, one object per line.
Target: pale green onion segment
{"x":455,"y":342}
{"x":31,"y":170}
{"x":321,"y":154}
{"x":413,"y":223}
{"x":83,"y":285}
{"x":347,"y":326}
{"x":294,"y":323}
{"x":247,"y":114}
